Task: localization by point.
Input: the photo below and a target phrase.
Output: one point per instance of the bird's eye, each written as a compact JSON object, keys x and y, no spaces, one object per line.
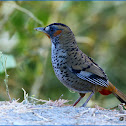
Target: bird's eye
{"x":51,"y":29}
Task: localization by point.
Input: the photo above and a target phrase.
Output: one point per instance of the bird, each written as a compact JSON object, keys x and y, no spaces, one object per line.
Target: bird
{"x":75,"y":69}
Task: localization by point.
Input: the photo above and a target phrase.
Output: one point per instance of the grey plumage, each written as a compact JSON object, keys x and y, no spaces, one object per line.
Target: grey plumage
{"x":66,"y":54}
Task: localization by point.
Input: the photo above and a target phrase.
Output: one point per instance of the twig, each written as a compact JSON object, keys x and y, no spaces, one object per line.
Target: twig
{"x":6,"y":80}
{"x":49,"y":107}
{"x":38,"y":100}
{"x":30,"y":14}
{"x":107,"y":117}
{"x":6,"y":75}
{"x":41,"y":117}
{"x":25,"y":97}
{"x":83,"y":112}
{"x":120,"y":115}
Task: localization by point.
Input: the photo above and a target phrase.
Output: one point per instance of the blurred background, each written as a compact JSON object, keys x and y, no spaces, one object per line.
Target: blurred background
{"x":100,"y":30}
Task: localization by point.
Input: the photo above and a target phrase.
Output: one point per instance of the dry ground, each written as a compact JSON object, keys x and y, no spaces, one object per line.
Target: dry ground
{"x":55,"y":113}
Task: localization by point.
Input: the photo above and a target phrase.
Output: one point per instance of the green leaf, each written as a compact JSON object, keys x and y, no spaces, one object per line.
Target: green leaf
{"x":6,"y":62}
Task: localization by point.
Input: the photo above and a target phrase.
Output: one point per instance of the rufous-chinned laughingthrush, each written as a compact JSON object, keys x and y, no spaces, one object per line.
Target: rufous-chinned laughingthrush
{"x":75,"y":69}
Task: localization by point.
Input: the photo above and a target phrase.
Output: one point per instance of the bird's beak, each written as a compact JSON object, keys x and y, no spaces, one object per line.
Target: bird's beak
{"x":42,"y":30}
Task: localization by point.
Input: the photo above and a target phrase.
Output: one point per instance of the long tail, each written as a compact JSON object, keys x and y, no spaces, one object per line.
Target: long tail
{"x":119,"y":95}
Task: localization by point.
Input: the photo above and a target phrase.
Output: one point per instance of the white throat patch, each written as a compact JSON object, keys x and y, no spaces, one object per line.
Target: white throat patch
{"x":47,"y":28}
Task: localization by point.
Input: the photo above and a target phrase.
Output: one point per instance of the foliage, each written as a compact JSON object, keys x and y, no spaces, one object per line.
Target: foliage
{"x":100,"y":31}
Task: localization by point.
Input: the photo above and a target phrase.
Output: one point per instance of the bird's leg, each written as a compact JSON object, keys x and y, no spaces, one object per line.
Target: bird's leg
{"x":76,"y":102}
{"x":88,"y":99}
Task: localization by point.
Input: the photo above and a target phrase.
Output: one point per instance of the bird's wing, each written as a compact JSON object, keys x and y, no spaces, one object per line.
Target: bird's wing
{"x":85,"y":68}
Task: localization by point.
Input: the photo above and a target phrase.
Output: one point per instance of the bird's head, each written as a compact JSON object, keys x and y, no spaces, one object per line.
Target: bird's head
{"x":58,"y":33}
{"x":55,"y":29}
